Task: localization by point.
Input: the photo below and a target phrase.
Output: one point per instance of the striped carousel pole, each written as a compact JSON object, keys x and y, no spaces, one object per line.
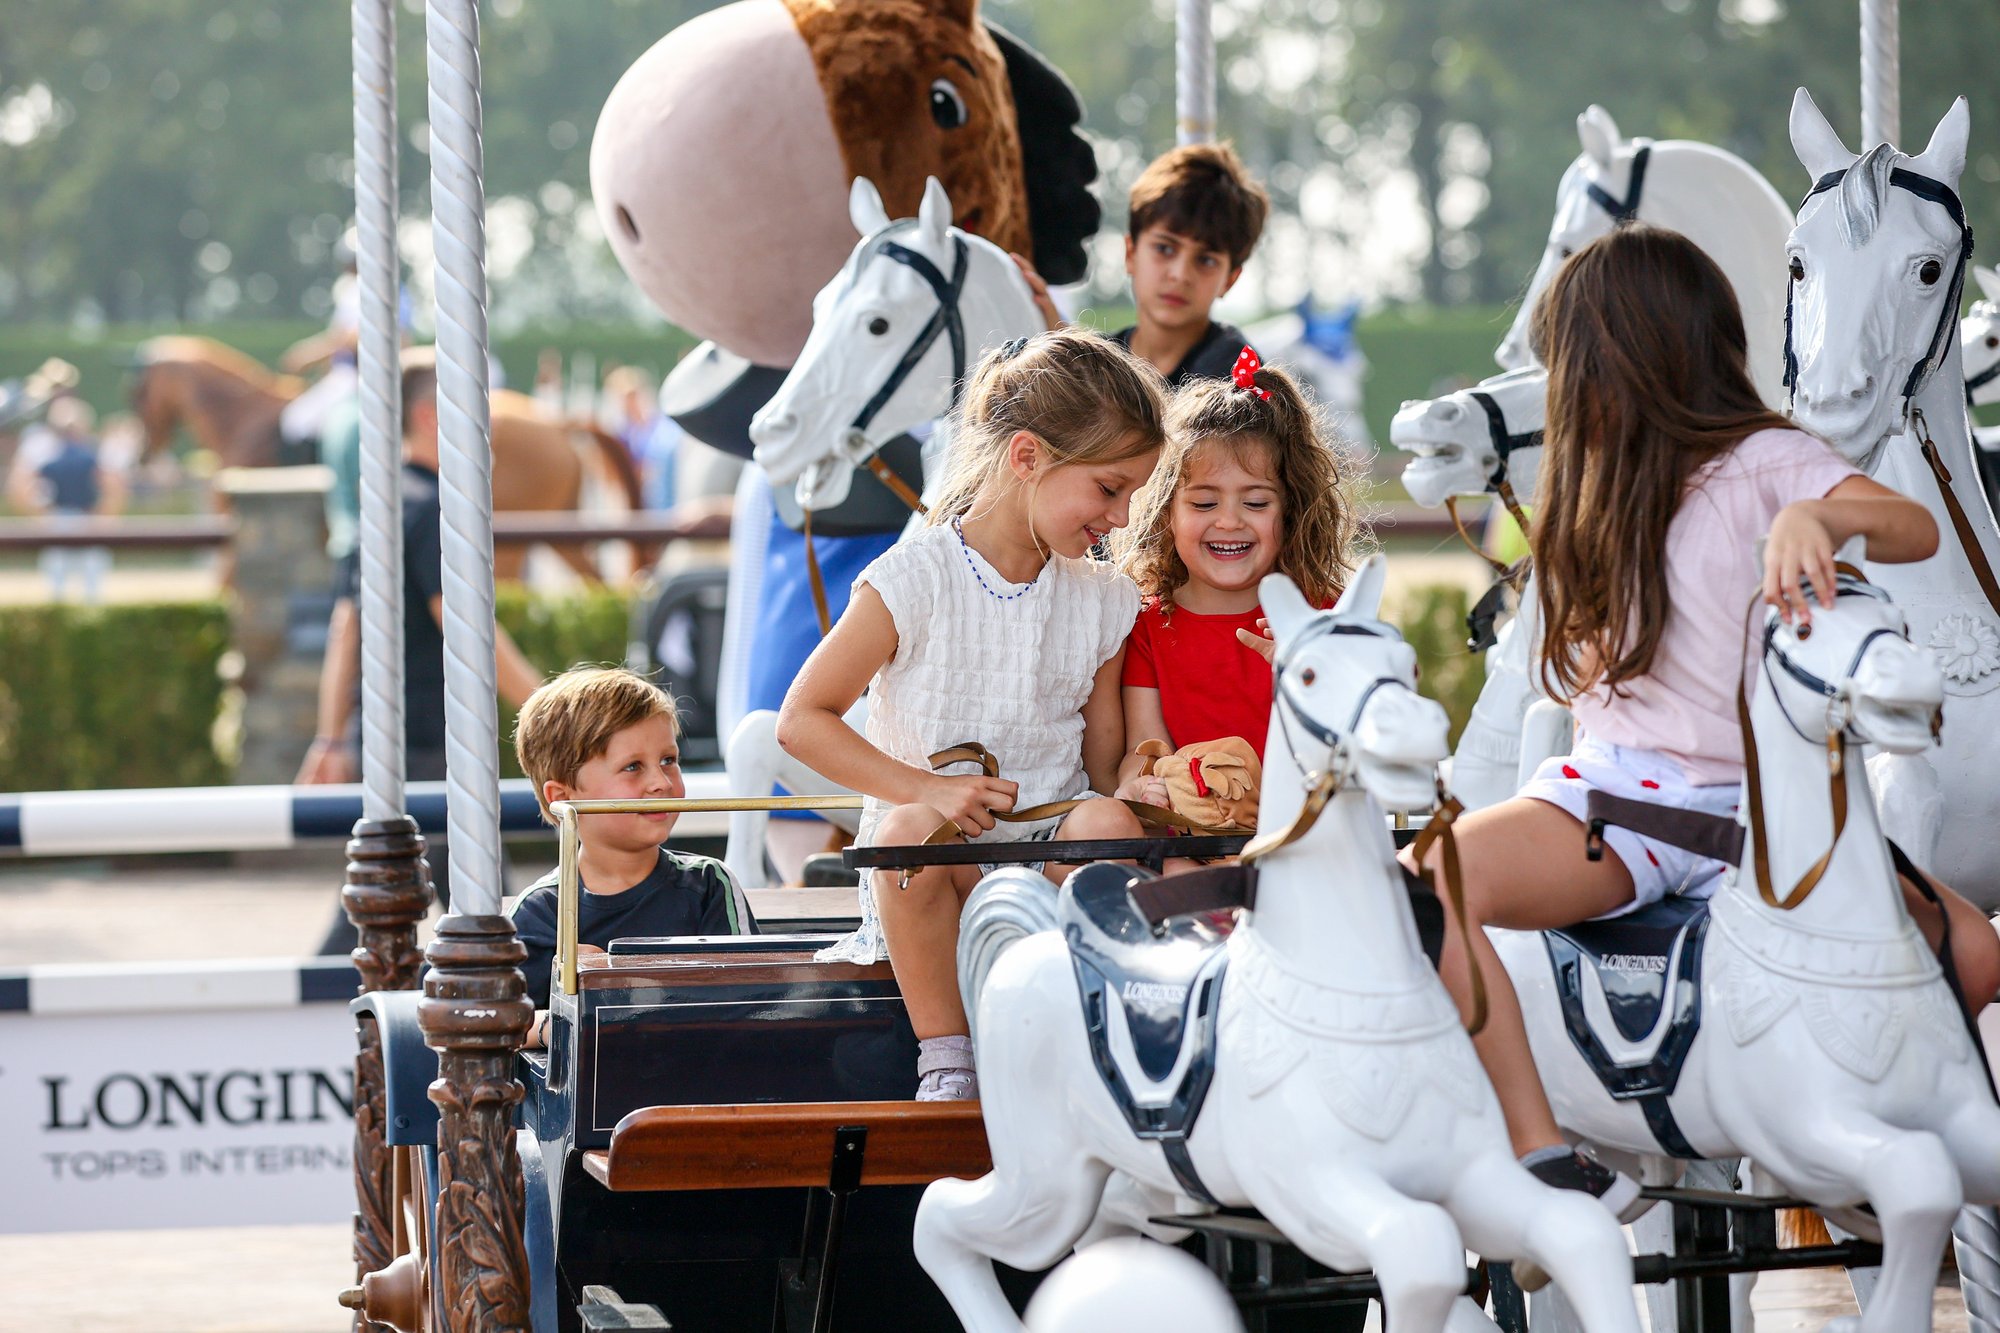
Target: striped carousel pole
{"x":475,"y":1011}
{"x":387,"y":890}
{"x":1881,"y":74}
{"x":1194,"y":72}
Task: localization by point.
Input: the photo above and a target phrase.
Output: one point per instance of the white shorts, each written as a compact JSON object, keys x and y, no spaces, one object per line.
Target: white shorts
{"x":1657,"y":868}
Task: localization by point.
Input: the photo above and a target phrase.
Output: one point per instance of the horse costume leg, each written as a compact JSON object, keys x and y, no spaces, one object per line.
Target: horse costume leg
{"x":1506,"y":1213}
{"x":1344,"y":1215}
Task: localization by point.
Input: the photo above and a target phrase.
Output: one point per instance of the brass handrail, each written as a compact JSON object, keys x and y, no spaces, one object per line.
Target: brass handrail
{"x":569,"y":899}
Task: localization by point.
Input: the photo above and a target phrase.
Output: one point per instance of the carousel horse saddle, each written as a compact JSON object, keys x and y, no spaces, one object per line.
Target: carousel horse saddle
{"x":1630,"y":988}
{"x":1150,"y":999}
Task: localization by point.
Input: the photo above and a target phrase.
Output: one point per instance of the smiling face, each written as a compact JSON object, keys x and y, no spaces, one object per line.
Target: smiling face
{"x":1228,"y":523}
{"x":1176,"y":279}
{"x":641,"y":762}
{"x":1072,"y":507}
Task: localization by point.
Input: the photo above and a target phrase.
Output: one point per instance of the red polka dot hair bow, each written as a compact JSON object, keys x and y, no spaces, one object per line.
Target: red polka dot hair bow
{"x":1245,"y":372}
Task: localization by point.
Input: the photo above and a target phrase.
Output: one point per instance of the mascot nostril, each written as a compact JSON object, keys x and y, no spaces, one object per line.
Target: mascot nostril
{"x":722,"y":159}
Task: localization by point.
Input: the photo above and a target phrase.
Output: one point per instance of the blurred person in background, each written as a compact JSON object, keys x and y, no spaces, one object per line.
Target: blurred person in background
{"x":58,"y":474}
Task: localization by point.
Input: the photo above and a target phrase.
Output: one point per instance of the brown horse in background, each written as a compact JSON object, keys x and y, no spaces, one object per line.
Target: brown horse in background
{"x":230,"y":404}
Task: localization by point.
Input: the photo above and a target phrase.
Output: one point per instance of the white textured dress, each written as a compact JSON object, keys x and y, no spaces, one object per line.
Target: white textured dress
{"x":1009,"y":665}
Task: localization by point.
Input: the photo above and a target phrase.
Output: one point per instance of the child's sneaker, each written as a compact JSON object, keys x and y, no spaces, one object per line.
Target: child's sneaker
{"x":944,"y":1070}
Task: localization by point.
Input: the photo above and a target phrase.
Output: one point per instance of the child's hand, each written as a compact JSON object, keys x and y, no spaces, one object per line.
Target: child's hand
{"x":1260,"y":642}
{"x":1039,"y":289}
{"x":1799,"y":547}
{"x":1146,"y":790}
{"x":970,"y":802}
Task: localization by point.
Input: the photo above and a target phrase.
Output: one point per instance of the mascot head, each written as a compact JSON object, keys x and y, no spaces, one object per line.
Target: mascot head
{"x":723,"y":158}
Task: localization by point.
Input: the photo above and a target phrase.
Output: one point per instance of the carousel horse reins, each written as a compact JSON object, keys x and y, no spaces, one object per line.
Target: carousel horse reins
{"x":972,"y":752}
{"x":1936,"y":192}
{"x":947,"y":321}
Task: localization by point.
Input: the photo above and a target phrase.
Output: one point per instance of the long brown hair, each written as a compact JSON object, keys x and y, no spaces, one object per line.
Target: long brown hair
{"x":1317,"y":529}
{"x":1647,"y":382}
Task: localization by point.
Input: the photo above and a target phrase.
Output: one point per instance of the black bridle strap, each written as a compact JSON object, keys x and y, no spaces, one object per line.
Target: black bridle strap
{"x":1974,"y":383}
{"x":1626,"y":209}
{"x":945,"y":319}
{"x":1936,"y":192}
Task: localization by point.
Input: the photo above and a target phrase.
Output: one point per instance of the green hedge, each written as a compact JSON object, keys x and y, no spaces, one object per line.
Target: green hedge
{"x":1433,"y":621}
{"x":556,"y":633}
{"x":113,"y":696}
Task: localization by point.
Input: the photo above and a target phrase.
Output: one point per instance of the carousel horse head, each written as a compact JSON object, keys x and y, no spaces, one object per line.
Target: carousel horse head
{"x":1346,"y":696}
{"x":1472,"y":440}
{"x":1853,"y":669}
{"x":1979,"y":340}
{"x":722,"y":158}
{"x":1714,"y":198}
{"x":893,"y":335}
{"x":1877,"y":262}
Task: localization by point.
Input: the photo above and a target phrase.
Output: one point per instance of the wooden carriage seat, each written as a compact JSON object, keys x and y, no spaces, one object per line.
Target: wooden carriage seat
{"x":789,"y":1144}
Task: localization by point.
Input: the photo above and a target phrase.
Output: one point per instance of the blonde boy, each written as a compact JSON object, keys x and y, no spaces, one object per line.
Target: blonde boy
{"x":597,"y":733}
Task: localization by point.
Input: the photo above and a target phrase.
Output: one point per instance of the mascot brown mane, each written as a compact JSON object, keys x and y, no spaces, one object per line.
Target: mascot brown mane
{"x":722,"y":159}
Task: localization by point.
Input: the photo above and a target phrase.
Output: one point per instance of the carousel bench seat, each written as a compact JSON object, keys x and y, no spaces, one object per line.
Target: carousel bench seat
{"x":788,"y":1144}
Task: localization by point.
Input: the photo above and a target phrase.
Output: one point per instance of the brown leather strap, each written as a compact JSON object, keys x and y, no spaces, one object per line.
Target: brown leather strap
{"x":1836,"y":765}
{"x":818,"y":583}
{"x":1717,"y":837}
{"x":972,"y":752}
{"x":897,"y":486}
{"x":1968,"y":539}
{"x":1505,"y":490}
{"x":1440,"y":831}
{"x":1215,"y":888}
{"x":1451,"y":507}
{"x":1324,"y":789}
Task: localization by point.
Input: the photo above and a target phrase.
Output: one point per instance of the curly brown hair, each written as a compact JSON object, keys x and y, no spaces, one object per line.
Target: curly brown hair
{"x":1317,"y":529}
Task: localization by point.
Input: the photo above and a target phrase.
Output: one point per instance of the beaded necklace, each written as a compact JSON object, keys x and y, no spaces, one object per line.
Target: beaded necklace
{"x":972,"y":564}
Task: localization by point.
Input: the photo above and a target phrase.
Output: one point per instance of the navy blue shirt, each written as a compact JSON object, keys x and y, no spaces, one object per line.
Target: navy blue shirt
{"x":72,"y":478}
{"x":685,"y":895}
{"x":1210,"y":359}
{"x":423,"y":641}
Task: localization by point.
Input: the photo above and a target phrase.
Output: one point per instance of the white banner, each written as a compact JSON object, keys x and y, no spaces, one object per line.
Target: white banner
{"x":221,"y":1117}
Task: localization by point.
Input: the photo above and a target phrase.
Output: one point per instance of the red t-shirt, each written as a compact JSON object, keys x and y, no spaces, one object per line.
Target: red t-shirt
{"x":1210,"y":685}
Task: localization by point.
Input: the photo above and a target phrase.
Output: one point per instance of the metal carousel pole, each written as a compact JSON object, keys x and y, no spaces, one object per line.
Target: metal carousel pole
{"x":475,"y":1009}
{"x":387,"y":891}
{"x":1194,"y":72}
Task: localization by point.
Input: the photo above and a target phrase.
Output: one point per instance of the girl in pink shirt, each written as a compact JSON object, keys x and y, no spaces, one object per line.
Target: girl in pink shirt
{"x":1661,"y":470}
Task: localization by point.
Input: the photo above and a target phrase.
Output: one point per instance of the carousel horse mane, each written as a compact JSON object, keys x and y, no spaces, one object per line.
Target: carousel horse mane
{"x":1861,"y":193}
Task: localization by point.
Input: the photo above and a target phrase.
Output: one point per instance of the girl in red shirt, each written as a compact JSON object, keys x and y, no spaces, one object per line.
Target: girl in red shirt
{"x":1249,"y":484}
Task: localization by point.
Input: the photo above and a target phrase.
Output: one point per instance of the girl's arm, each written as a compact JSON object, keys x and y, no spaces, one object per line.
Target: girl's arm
{"x":1104,"y":726}
{"x":1144,"y":721}
{"x":812,"y":727}
{"x":1805,"y":535}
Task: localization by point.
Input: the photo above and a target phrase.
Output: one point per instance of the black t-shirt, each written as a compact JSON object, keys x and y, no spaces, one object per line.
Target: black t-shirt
{"x":423,"y":641}
{"x":1210,"y":359}
{"x":685,"y":895}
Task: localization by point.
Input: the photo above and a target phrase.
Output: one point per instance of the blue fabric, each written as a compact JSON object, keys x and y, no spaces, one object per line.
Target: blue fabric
{"x":72,"y":479}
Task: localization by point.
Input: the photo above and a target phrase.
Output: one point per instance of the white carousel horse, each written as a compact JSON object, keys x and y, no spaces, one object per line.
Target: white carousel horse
{"x":1324,"y":1077}
{"x":915,"y":306}
{"x":1877,"y":260}
{"x":894,"y":335}
{"x":1979,"y":344}
{"x":1129,"y":1285}
{"x":1459,"y":442}
{"x":1815,"y":1036}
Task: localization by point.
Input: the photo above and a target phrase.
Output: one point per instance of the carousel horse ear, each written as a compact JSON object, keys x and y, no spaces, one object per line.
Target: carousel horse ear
{"x":934,"y":213}
{"x":1943,"y":157}
{"x":864,"y":207}
{"x":1818,"y":146}
{"x":1599,"y":134}
{"x":1285,"y":607}
{"x":1988,"y":280}
{"x":1362,"y":598}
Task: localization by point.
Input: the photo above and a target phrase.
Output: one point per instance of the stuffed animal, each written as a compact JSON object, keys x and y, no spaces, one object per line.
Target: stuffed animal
{"x":1215,"y":783}
{"x":722,"y":159}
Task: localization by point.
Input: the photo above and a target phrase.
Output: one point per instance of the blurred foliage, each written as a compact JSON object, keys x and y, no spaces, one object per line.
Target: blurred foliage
{"x":587,"y":628}
{"x":1432,"y":619}
{"x":75,"y":714}
{"x":191,"y":159}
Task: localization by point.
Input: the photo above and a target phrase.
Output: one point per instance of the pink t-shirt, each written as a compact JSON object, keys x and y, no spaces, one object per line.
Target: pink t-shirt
{"x":1685,"y":707}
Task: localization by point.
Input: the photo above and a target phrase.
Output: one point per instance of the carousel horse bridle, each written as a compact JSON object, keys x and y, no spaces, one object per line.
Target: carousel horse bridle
{"x":1936,"y":192}
{"x":947,"y":321}
{"x":1974,"y":383}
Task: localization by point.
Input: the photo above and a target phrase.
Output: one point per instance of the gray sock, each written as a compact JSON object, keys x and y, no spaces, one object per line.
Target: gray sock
{"x":943,"y":1053}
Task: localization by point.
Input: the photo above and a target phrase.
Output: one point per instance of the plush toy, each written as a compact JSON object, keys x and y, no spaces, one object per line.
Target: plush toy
{"x":722,"y":159}
{"x":1211,"y":782}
